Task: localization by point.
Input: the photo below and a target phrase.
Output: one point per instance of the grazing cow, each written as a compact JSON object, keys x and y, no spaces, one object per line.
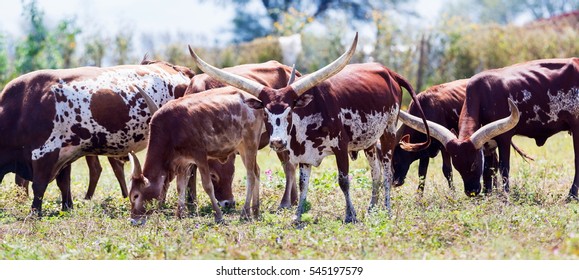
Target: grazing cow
{"x":50,"y":118}
{"x":272,"y":74}
{"x":442,"y":105}
{"x":542,"y":96}
{"x":212,"y":124}
{"x":331,"y":112}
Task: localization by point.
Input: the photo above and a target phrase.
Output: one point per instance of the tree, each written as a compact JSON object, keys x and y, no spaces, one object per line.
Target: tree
{"x":94,"y":50}
{"x":43,"y":47}
{"x":28,"y":52}
{"x":4,"y":72}
{"x":122,"y":41}
{"x":248,"y":26}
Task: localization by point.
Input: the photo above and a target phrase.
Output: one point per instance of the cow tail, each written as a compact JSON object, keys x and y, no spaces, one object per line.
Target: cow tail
{"x":404,"y":142}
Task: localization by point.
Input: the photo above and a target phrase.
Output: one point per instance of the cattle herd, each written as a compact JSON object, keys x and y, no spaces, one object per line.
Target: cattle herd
{"x":193,"y":123}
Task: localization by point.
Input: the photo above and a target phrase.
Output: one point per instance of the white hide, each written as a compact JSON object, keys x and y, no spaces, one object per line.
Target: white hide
{"x":78,"y":92}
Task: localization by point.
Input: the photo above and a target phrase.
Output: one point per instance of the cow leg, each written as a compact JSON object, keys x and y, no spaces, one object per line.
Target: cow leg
{"x":573,"y":195}
{"x":192,"y":189}
{"x":182,"y":183}
{"x":118,"y":169}
{"x":248,"y":157}
{"x":422,"y":170}
{"x":63,"y":182}
{"x":388,"y":143}
{"x":305,"y":171}
{"x":21,"y":182}
{"x":376,"y":172}
{"x":94,"y":172}
{"x":504,"y":161}
{"x":290,"y":195}
{"x":490,"y":172}
{"x":447,"y":168}
{"x":344,"y":182}
{"x":203,"y":168}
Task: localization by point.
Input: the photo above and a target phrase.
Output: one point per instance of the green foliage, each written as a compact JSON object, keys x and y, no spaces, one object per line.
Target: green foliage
{"x":45,"y":48}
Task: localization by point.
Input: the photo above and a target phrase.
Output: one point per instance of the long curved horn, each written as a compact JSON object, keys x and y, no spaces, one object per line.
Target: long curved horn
{"x":252,"y":87}
{"x":137,"y":171}
{"x":292,"y":77}
{"x":152,"y":106}
{"x":329,"y":70}
{"x":496,"y":128}
{"x":437,"y":131}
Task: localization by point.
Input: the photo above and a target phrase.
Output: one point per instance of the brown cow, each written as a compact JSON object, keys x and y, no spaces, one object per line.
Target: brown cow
{"x":542,"y":96}
{"x":442,"y":105}
{"x":212,"y":124}
{"x":331,"y":111}
{"x":50,"y":118}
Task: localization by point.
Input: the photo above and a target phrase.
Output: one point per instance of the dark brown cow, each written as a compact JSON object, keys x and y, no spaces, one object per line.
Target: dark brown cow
{"x":442,"y":105}
{"x":272,"y":74}
{"x":331,"y":111}
{"x":212,"y":124}
{"x":50,"y":118}
{"x":543,"y":99}
{"x":94,"y":172}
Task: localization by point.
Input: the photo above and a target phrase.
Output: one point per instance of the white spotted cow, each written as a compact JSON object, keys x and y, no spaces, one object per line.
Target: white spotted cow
{"x":331,"y":112}
{"x":50,"y":118}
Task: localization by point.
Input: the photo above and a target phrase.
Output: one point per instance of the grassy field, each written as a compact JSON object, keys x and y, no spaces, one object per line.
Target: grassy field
{"x":535,"y":224}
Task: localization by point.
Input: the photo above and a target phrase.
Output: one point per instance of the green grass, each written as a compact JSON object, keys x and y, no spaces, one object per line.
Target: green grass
{"x":535,"y":224}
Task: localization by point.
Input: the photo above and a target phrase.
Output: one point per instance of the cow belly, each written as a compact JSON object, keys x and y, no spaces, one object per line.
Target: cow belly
{"x":365,"y":129}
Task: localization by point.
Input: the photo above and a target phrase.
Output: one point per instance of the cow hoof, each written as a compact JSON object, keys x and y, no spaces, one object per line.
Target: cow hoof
{"x":283,"y":206}
{"x":572,"y":198}
{"x":351,"y":220}
{"x":34,"y":214}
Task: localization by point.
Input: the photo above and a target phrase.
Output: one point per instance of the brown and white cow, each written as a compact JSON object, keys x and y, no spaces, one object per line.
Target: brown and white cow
{"x":441,"y":104}
{"x":331,"y":111}
{"x":49,"y":118}
{"x":272,"y":74}
{"x":543,"y":96}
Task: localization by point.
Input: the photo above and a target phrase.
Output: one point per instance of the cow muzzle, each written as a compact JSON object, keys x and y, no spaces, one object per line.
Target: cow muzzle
{"x":227,"y":204}
{"x":278,"y":144}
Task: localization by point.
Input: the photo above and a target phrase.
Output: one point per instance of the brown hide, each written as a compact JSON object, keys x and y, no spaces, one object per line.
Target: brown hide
{"x":223,"y":124}
{"x":545,"y":93}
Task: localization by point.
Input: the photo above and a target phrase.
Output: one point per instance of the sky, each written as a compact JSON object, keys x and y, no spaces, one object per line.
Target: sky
{"x":204,"y":19}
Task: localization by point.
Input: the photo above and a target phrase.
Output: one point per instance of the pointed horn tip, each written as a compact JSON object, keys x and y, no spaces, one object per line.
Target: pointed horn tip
{"x":409,"y":147}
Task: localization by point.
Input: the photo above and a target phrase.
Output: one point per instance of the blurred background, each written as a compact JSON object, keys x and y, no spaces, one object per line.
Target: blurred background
{"x":428,"y":42}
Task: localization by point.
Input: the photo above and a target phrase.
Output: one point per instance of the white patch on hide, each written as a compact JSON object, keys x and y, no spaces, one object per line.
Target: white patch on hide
{"x":78,"y":101}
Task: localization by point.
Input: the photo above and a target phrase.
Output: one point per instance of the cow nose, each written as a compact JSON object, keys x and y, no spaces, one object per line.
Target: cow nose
{"x":227,"y":204}
{"x":277,"y":144}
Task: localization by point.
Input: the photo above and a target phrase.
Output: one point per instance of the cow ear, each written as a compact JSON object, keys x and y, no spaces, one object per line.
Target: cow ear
{"x":303,"y":100}
{"x":253,"y":103}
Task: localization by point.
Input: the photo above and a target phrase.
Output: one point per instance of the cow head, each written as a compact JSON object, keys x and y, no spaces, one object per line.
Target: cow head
{"x":279,"y":103}
{"x":141,"y":193}
{"x":467,"y":153}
